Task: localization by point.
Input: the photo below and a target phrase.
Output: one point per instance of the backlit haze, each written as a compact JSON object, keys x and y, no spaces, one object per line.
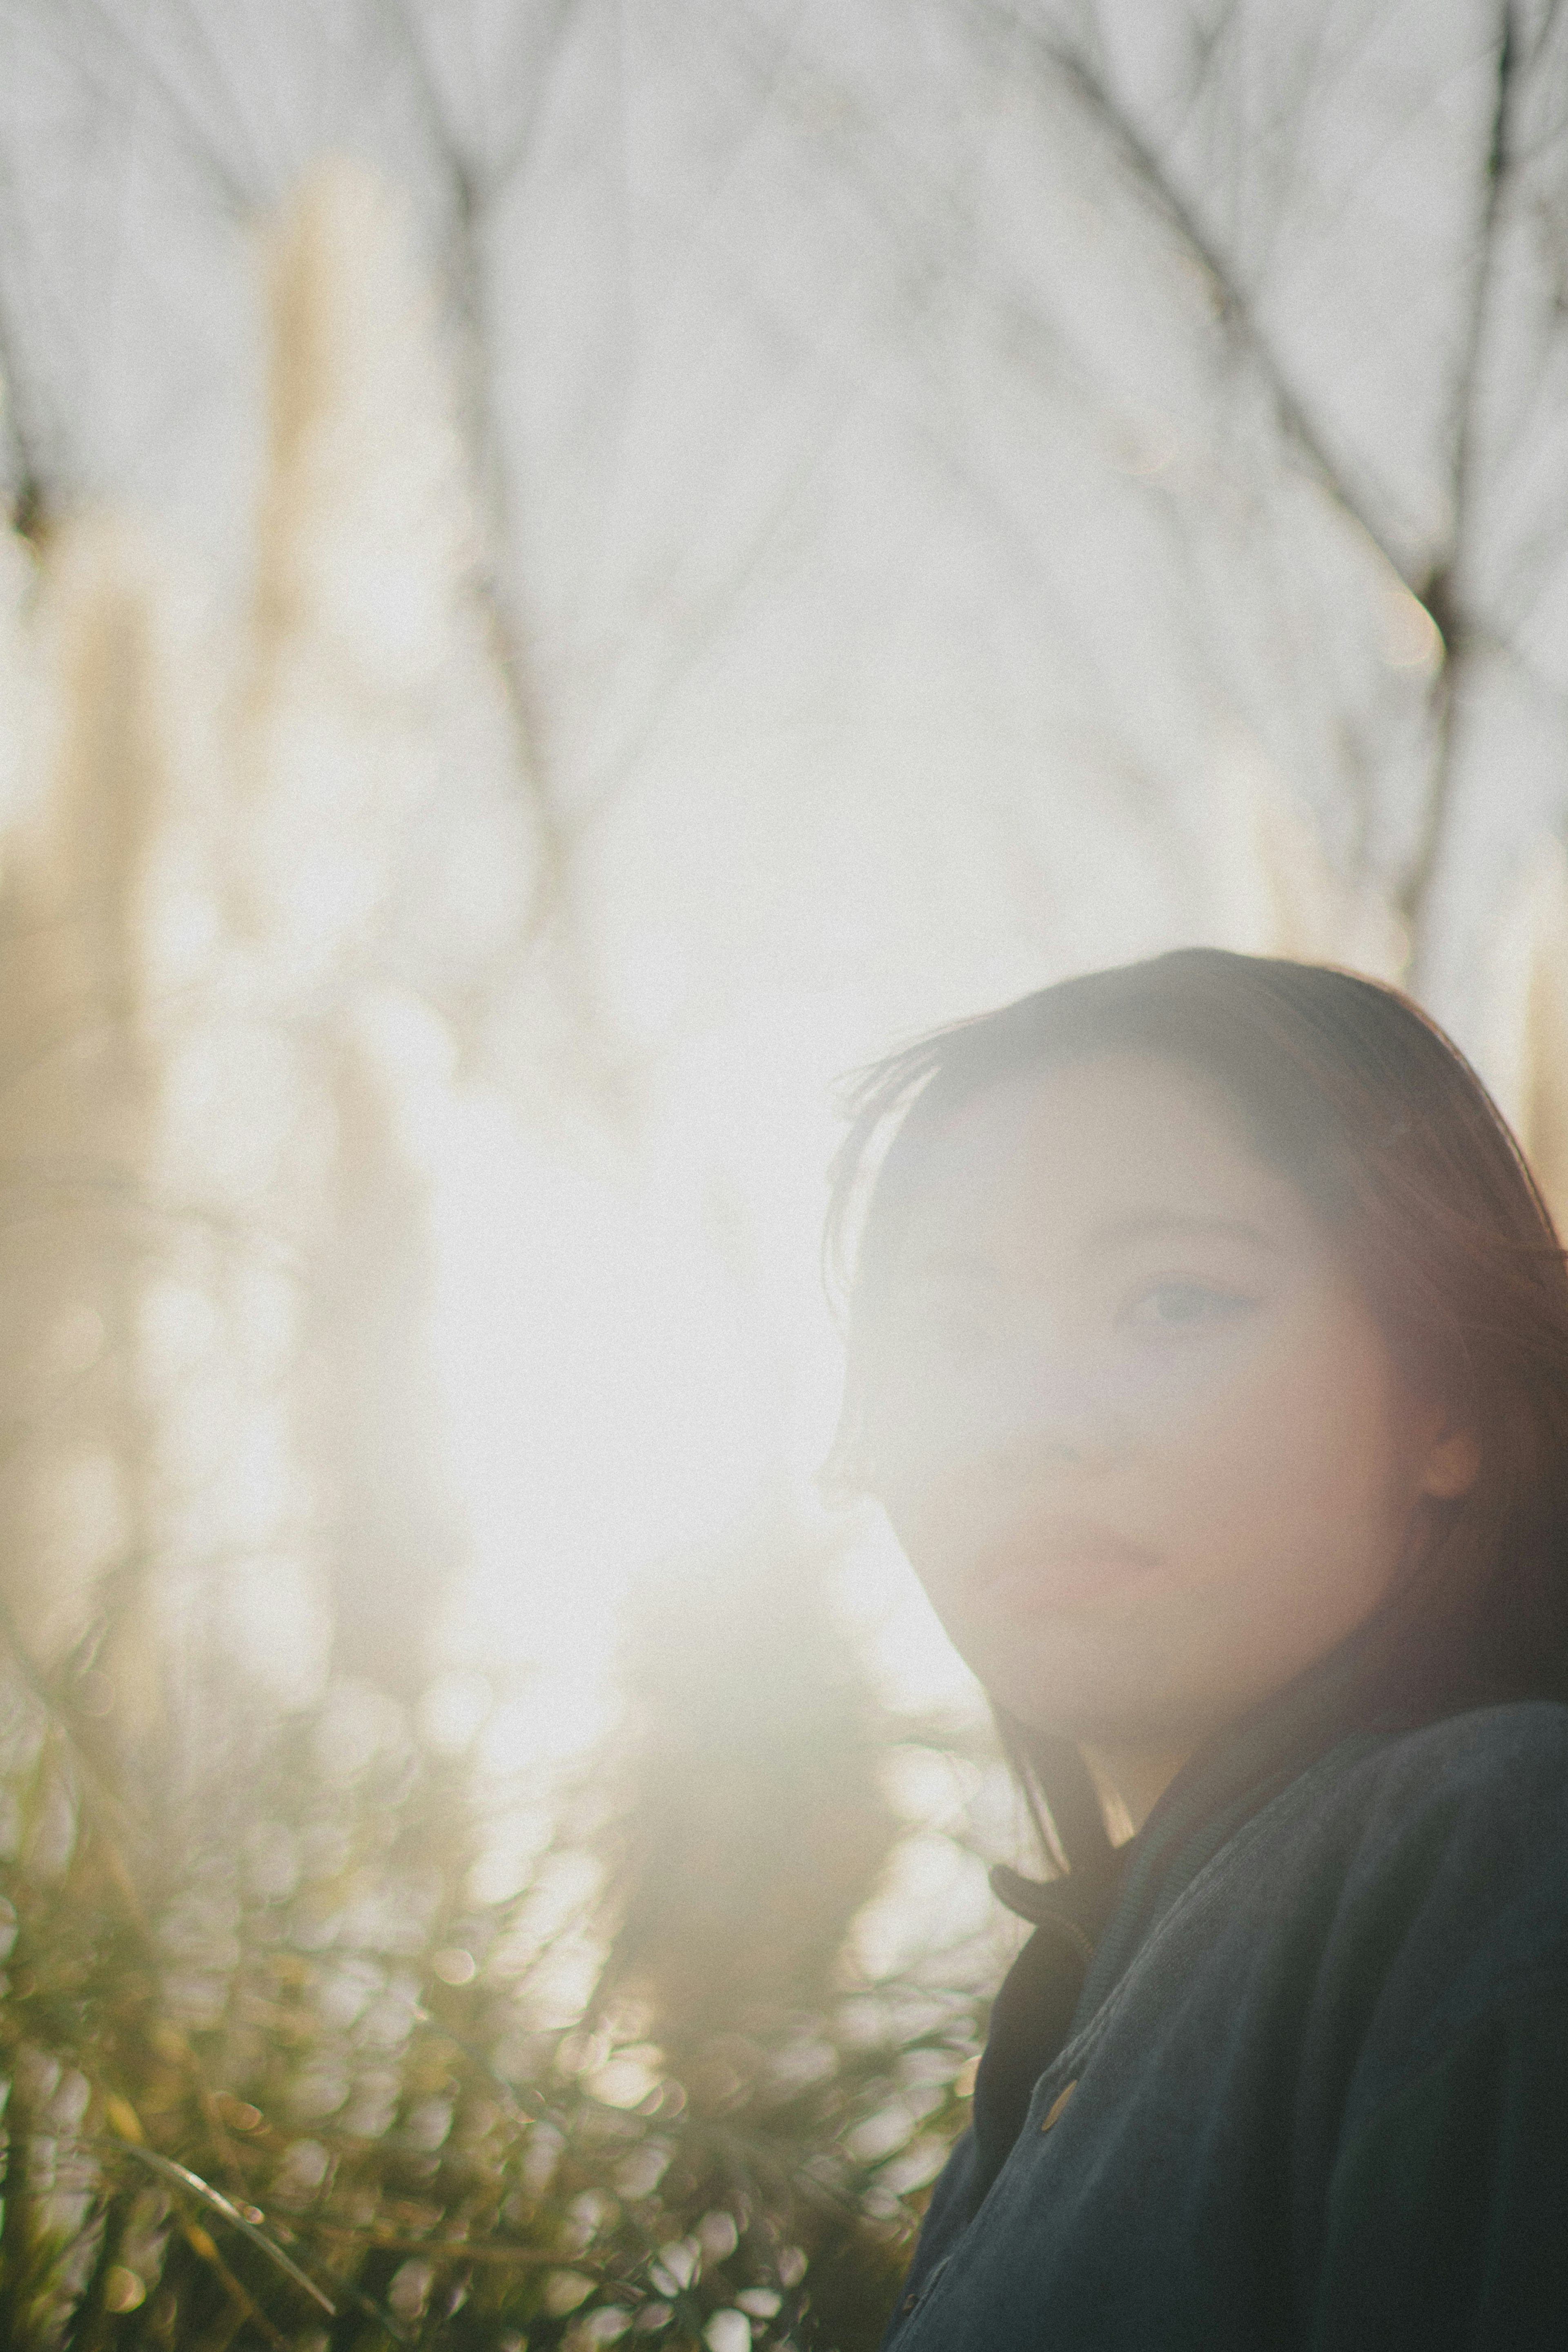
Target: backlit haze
{"x":839,"y":530}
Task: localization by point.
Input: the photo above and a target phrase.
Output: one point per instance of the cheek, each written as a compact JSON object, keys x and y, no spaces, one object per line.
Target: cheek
{"x":1301,"y":1459}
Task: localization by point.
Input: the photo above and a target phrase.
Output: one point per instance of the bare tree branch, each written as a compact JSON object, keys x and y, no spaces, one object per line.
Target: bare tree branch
{"x":240,"y":200}
{"x":1440,"y":592}
{"x":1438,"y":588}
{"x":552,"y":914}
{"x":1236,"y":315}
{"x":29,"y":514}
{"x":470,"y":197}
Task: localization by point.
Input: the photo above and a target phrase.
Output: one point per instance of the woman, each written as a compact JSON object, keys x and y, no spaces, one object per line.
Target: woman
{"x":1208,"y":1351}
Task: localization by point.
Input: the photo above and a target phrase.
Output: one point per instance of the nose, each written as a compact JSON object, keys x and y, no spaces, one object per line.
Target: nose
{"x":1029,"y":1408}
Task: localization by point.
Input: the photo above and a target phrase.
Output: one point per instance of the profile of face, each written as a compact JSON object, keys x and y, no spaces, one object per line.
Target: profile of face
{"x":1133,"y":1425}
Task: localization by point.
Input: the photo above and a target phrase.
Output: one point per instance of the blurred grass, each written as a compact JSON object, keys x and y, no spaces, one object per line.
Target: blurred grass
{"x":276,"y":2077}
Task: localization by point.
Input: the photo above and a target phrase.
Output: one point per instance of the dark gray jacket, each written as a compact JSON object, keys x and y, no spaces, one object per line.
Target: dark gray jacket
{"x":1293,"y":2072}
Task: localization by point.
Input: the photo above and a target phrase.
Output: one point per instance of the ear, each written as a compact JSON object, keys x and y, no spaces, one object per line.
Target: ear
{"x":1452,"y":1465}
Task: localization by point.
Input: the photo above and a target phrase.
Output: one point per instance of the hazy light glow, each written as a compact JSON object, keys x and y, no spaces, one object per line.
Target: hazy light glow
{"x":630,"y":1360}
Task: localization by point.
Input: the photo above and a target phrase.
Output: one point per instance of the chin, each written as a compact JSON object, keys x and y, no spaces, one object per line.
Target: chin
{"x":1070,"y":1689}
{"x":1063,"y":1704}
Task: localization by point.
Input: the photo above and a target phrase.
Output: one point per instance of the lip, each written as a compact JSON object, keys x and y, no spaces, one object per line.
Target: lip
{"x":1055,"y":1565}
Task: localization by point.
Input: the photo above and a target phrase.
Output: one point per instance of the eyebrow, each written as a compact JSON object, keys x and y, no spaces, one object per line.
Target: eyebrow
{"x":1166,"y":1221}
{"x":962,"y":1266}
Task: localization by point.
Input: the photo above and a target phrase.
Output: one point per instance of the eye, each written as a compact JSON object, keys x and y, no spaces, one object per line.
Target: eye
{"x":1187,"y":1305}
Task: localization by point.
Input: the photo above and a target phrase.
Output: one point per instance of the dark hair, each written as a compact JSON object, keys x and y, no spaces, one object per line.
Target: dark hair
{"x":1353,"y":1092}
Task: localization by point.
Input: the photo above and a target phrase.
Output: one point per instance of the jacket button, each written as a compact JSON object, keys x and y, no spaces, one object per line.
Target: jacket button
{"x":1054,"y":2113}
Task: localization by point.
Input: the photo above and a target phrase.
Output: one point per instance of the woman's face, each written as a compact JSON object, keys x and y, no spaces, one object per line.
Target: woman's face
{"x":1130,"y":1417}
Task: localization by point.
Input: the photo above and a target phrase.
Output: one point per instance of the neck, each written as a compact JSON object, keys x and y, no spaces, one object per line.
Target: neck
{"x":1131,"y":1781}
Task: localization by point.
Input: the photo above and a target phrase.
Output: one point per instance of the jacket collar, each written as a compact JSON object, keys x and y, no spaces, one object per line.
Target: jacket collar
{"x":1089,"y":1925}
{"x":1218,"y":1789}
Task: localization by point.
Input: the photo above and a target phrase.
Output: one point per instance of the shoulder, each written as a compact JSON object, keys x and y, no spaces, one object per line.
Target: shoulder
{"x":1477,"y":1801}
{"x":1496,"y":1777}
{"x":1484,"y":1746}
{"x":1450,"y":1881}
{"x":1485,"y":1793}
